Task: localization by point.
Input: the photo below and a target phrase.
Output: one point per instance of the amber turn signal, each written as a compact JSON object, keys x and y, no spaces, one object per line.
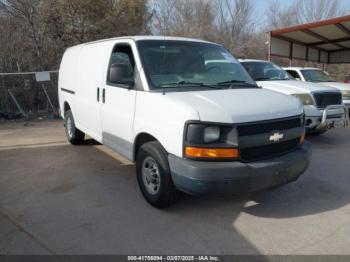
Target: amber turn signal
{"x":198,"y":152}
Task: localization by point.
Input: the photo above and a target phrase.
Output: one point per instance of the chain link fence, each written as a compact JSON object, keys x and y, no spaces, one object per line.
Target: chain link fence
{"x":23,"y":95}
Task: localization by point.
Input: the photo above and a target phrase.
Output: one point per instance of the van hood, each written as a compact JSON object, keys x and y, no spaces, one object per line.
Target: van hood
{"x":294,"y":87}
{"x":337,"y":85}
{"x":238,"y":105}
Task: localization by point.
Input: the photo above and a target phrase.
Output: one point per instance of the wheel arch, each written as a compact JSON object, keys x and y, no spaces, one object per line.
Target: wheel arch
{"x":66,"y":107}
{"x":141,"y":139}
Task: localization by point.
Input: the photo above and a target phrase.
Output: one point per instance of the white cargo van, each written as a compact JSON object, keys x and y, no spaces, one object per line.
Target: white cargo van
{"x":188,"y":124}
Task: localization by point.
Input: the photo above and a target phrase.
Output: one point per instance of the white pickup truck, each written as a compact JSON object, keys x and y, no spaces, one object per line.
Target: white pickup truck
{"x":323,"y":105}
{"x":188,"y":124}
{"x":316,"y":75}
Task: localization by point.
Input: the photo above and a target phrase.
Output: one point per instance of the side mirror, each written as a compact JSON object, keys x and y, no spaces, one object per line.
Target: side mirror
{"x":121,"y":74}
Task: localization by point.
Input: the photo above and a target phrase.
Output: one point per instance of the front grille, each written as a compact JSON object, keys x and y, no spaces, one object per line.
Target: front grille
{"x":326,"y":99}
{"x":265,"y":151}
{"x":261,"y":131}
{"x":335,"y":116}
{"x":269,"y":126}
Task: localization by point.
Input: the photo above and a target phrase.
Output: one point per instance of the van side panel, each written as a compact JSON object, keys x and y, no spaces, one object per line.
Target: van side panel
{"x":90,"y":76}
{"x":67,"y":78}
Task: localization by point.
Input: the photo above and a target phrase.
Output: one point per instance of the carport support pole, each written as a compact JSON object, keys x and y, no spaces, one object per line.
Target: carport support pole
{"x":269,"y":47}
{"x":291,"y":54}
{"x":306,"y":57}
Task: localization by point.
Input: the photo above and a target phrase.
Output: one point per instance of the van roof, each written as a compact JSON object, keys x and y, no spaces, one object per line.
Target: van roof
{"x":147,"y":37}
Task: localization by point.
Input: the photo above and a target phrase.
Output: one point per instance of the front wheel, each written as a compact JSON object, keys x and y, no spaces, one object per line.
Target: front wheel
{"x":74,"y":135}
{"x":153,"y":175}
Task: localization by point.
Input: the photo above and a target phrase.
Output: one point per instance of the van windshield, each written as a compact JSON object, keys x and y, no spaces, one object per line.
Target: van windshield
{"x":185,"y":64}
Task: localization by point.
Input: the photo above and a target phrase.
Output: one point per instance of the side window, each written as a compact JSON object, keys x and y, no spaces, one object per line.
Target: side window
{"x":121,"y":67}
{"x":293,"y":73}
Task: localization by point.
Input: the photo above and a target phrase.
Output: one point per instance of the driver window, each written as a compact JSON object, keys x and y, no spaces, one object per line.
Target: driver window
{"x":121,"y":66}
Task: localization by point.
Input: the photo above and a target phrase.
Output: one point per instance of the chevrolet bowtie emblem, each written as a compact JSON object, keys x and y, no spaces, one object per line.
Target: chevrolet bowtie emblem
{"x":276,"y":137}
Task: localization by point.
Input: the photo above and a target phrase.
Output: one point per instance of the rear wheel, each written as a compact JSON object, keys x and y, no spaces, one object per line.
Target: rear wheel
{"x":153,"y":175}
{"x":74,"y":135}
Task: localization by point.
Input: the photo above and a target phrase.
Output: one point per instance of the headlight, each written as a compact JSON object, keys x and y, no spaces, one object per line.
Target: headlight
{"x":306,"y":99}
{"x":346,"y":95}
{"x":211,"y":134}
{"x":210,"y":141}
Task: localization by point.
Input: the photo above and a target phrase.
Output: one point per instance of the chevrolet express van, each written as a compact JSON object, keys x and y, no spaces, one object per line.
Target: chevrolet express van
{"x":187,"y":124}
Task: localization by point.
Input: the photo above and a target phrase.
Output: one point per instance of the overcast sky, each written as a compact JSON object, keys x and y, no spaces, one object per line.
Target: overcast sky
{"x":262,"y":5}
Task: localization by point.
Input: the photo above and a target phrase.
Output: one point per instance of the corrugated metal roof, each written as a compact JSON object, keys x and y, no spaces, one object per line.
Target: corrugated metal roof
{"x":329,"y":38}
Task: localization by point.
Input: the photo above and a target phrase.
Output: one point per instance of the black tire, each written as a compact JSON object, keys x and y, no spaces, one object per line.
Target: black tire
{"x":74,"y":135}
{"x":317,"y":133}
{"x":165,"y":193}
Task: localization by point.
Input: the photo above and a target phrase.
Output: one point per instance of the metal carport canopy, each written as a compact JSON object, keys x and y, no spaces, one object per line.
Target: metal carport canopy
{"x":326,"y":41}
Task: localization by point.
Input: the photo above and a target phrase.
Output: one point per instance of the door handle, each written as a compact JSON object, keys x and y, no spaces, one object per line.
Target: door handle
{"x":98,"y":94}
{"x":103,"y":95}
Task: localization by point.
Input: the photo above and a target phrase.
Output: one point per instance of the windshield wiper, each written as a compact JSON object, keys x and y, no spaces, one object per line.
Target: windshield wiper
{"x":232,"y":83}
{"x":261,"y":78}
{"x":180,"y":83}
{"x":187,"y":83}
{"x":270,"y":79}
{"x":320,"y":80}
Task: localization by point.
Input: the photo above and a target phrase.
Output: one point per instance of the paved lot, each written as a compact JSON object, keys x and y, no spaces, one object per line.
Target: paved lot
{"x":63,"y":199}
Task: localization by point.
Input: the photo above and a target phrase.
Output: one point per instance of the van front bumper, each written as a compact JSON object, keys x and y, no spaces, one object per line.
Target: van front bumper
{"x":235,"y":177}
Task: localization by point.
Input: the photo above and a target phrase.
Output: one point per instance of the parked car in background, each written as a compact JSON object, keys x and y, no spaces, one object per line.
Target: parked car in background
{"x":322,"y":104}
{"x":316,"y":75}
{"x":188,"y":124}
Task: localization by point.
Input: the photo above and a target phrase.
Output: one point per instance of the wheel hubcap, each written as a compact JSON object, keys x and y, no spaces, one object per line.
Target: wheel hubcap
{"x":69,"y":127}
{"x":150,"y":175}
